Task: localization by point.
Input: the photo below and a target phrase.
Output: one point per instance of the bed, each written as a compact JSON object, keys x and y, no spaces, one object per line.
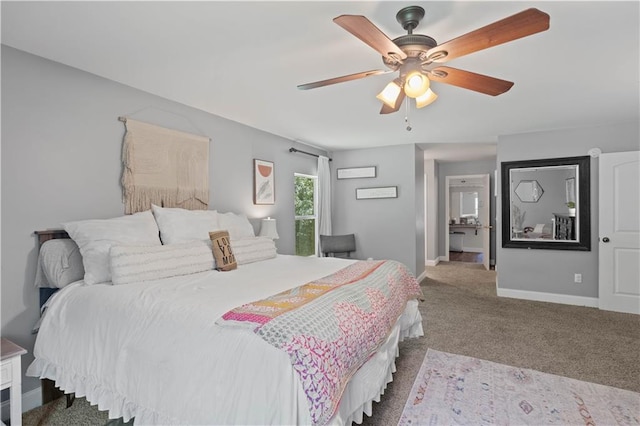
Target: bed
{"x":278,"y":340}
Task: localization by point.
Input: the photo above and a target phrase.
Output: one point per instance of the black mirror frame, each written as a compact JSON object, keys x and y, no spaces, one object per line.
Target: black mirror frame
{"x":583,"y":207}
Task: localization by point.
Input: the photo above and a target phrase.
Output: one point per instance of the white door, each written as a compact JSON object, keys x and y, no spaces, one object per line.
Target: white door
{"x":619,"y":232}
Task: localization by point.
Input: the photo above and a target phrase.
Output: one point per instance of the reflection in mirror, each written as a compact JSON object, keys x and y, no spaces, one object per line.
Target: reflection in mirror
{"x":544,"y":214}
{"x":464,"y":206}
{"x":557,"y":220}
{"x":529,"y":191}
{"x":468,"y":204}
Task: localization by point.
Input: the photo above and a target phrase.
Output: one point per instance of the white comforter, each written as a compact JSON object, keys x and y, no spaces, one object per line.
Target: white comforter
{"x":152,"y":350}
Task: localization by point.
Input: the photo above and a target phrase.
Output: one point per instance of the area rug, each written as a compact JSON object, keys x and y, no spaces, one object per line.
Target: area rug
{"x":459,"y":390}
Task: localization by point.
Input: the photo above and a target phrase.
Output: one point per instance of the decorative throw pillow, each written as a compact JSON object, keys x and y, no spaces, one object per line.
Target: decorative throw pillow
{"x":221,"y":246}
{"x":253,"y":249}
{"x":130,"y":264}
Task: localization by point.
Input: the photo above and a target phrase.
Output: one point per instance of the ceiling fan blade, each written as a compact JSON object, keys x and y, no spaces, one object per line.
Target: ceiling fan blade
{"x":525,"y":23}
{"x":364,"y":29}
{"x":342,"y":79}
{"x":386,"y":109}
{"x":469,"y":80}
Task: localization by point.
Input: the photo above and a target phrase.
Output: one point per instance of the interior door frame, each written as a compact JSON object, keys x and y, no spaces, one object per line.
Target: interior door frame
{"x":486,"y":199}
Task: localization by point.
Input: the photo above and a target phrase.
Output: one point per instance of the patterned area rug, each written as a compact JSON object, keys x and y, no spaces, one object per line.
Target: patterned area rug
{"x":455,"y":389}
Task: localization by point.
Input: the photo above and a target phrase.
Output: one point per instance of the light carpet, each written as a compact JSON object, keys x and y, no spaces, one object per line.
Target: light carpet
{"x":457,"y":389}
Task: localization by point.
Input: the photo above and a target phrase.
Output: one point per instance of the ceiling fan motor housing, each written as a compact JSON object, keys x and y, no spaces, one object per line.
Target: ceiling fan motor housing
{"x":414,"y":45}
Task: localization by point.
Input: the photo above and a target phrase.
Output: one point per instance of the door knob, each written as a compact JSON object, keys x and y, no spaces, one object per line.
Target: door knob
{"x":605,"y":240}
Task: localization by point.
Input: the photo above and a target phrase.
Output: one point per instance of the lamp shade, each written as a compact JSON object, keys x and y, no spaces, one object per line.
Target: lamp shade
{"x":389,"y":94}
{"x":268,"y":229}
{"x":426,"y":99}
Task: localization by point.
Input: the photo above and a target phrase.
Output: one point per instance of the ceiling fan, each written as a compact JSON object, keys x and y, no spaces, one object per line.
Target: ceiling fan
{"x":418,"y":57}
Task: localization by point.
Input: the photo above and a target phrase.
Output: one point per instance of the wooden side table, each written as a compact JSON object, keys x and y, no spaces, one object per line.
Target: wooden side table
{"x":11,"y":377}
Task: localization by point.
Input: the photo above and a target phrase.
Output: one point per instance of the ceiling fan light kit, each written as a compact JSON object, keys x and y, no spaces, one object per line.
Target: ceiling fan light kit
{"x":426,"y":99}
{"x":390,"y":93}
{"x":417,"y":57}
{"x":416,"y":84}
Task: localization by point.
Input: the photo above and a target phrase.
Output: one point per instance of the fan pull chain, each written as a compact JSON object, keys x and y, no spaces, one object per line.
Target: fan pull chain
{"x":406,"y":115}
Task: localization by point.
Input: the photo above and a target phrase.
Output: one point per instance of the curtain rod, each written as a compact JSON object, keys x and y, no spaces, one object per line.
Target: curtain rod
{"x":305,"y":152}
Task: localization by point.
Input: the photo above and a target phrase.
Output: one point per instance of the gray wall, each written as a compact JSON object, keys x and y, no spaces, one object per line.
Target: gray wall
{"x":385,"y":228}
{"x":462,"y":168}
{"x":420,"y":210}
{"x":551,"y":271}
{"x":61,"y":148}
{"x":431,"y":205}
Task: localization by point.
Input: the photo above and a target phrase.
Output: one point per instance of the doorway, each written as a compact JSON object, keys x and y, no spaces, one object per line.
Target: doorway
{"x":467,"y":215}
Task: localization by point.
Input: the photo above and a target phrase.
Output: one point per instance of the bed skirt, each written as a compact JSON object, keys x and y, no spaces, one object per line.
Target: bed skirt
{"x":371,"y":380}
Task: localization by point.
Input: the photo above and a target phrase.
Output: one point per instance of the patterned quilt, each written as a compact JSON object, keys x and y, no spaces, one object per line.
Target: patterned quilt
{"x":331,"y":326}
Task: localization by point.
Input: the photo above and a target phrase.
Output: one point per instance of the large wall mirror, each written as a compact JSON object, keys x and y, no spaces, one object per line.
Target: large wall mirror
{"x":546,"y":204}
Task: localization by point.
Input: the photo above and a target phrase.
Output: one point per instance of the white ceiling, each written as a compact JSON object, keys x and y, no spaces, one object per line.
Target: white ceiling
{"x":243,"y":61}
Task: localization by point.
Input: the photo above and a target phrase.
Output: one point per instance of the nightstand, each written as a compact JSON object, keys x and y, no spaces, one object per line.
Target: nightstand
{"x":11,"y":377}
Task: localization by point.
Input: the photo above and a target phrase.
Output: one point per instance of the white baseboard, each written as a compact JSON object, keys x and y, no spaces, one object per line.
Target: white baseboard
{"x":422,"y":276}
{"x":472,"y":249}
{"x":430,"y":262}
{"x":565,"y":299}
{"x":30,"y":400}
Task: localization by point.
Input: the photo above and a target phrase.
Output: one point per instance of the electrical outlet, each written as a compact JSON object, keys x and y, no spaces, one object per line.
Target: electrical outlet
{"x":577,"y":278}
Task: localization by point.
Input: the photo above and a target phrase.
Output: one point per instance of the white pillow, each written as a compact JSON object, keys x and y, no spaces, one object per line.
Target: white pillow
{"x":539,"y":229}
{"x":237,"y":225}
{"x":59,"y":264}
{"x":131,"y":264}
{"x":181,"y":225}
{"x":95,"y":238}
{"x":253,"y":249}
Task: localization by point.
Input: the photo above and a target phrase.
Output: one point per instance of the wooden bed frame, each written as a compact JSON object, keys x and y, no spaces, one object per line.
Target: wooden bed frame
{"x":49,"y":390}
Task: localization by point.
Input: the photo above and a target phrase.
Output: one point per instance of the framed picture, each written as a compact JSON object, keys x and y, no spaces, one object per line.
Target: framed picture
{"x":357,"y":172}
{"x":264,"y":189}
{"x":379,"y":192}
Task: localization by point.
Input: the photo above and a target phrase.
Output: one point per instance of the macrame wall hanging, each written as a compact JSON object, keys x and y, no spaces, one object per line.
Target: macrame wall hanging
{"x":165,"y":167}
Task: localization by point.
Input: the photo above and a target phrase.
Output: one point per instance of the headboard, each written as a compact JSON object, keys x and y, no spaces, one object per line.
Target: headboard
{"x":50,"y":234}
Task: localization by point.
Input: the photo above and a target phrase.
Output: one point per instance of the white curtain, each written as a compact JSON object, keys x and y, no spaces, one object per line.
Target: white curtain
{"x":324,"y":199}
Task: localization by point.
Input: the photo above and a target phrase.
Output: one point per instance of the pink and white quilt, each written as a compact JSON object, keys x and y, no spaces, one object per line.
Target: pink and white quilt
{"x":330,"y":327}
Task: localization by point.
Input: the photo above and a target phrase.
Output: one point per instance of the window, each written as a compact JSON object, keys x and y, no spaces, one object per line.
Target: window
{"x":305,"y":214}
